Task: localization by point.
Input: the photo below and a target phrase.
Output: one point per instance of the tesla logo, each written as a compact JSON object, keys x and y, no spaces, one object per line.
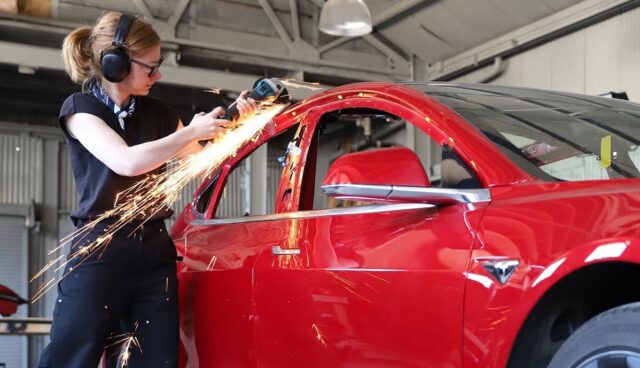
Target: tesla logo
{"x":502,"y":269}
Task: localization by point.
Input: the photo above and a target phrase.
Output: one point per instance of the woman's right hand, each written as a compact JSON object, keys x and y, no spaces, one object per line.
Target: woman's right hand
{"x":208,"y":126}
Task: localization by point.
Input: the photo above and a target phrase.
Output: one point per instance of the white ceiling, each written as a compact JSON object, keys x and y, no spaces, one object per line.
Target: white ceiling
{"x":448,"y":27}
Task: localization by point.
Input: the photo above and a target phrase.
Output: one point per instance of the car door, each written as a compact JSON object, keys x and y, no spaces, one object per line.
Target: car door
{"x":357,"y":284}
{"x":220,"y":245}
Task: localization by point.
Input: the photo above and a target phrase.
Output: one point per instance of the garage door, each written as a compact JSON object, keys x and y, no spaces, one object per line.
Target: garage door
{"x":14,"y":274}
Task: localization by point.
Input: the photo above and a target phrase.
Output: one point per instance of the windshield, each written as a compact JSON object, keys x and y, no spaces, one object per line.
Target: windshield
{"x":554,"y":136}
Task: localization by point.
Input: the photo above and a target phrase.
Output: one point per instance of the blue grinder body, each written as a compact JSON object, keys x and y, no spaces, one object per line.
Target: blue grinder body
{"x":263,"y":88}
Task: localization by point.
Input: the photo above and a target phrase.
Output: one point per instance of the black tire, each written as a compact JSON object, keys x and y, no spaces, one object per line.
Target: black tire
{"x":610,"y":339}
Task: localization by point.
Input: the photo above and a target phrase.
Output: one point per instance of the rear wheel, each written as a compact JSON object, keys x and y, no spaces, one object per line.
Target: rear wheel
{"x":608,"y":340}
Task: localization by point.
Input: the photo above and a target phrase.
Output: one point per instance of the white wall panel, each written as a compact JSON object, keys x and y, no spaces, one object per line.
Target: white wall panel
{"x":601,"y":58}
{"x":536,"y":68}
{"x":628,"y":36}
{"x":568,"y":63}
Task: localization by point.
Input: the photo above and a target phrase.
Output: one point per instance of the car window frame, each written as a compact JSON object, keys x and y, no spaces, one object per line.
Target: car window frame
{"x":313,"y":119}
{"x":220,"y":180}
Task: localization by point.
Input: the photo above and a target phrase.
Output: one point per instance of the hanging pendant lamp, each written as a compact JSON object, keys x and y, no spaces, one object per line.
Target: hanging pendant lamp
{"x":349,"y":18}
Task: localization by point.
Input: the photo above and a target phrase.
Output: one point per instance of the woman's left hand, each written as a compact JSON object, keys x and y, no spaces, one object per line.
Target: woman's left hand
{"x":247,"y":107}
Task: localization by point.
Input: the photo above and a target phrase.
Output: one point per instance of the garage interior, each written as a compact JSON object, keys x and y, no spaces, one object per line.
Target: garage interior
{"x":583,"y":46}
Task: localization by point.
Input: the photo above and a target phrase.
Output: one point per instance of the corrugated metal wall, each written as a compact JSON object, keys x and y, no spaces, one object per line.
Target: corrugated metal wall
{"x":68,"y":196}
{"x":598,"y":59}
{"x":20,"y":169}
{"x":234,"y":197}
{"x":274,"y":170}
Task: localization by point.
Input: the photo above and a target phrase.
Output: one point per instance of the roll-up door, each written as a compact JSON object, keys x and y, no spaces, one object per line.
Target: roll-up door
{"x":14,"y":274}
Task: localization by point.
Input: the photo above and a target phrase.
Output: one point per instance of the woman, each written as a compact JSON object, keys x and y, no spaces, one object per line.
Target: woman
{"x":117,"y":135}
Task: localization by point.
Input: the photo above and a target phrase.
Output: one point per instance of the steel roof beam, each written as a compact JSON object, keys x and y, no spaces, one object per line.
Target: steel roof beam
{"x":294,"y":19}
{"x":49,"y":58}
{"x":305,"y":56}
{"x":177,"y":14}
{"x":144,"y":9}
{"x":276,"y":23}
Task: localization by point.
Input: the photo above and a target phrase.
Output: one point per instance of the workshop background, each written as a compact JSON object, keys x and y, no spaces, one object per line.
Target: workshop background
{"x":584,"y":46}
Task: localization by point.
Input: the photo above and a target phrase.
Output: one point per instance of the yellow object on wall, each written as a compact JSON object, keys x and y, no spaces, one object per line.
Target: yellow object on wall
{"x":605,"y":151}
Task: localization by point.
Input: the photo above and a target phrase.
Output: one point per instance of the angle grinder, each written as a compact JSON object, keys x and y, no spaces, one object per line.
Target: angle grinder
{"x":263,"y":89}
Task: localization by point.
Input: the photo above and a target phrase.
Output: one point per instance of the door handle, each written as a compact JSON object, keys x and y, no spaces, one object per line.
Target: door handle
{"x":278,"y":251}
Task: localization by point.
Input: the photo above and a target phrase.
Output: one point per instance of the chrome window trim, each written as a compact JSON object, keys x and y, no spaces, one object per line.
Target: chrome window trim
{"x":434,"y":196}
{"x":315,"y":214}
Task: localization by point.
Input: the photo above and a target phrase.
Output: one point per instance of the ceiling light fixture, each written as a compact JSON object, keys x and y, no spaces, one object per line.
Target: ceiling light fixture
{"x":349,"y":18}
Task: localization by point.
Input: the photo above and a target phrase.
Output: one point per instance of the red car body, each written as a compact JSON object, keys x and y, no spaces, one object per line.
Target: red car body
{"x":407,"y":286}
{"x":9,"y":301}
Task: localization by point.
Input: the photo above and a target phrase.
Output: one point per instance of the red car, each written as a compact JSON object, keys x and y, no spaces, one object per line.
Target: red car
{"x":9,"y":301}
{"x":423,"y":225}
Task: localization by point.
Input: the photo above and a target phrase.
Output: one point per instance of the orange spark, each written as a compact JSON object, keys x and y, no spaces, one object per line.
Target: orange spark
{"x":128,"y":340}
{"x":212,"y":263}
{"x":319,"y":336}
{"x":156,"y":192}
{"x":377,"y":277}
{"x":356,"y":294}
{"x":349,"y":286}
{"x":295,"y":84}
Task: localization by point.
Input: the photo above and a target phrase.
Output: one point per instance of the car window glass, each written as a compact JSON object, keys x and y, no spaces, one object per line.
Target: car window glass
{"x":583,"y":167}
{"x":202,"y":202}
{"x":568,"y":139}
{"x":634,"y":155}
{"x":356,"y":130}
{"x":235,"y":200}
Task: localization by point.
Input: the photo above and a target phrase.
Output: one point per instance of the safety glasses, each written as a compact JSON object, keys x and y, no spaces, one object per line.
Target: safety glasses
{"x":152,"y":68}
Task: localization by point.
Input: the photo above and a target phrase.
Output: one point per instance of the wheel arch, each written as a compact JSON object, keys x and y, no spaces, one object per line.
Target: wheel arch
{"x":573,"y":288}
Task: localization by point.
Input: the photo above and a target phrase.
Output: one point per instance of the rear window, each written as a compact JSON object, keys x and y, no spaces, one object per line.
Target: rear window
{"x":555,"y":137}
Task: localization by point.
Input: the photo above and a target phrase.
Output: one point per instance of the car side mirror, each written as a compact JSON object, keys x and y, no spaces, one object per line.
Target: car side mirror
{"x":390,"y":175}
{"x":379,"y":166}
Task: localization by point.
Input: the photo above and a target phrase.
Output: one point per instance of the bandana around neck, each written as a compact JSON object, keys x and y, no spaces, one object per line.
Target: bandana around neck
{"x":120,"y":112}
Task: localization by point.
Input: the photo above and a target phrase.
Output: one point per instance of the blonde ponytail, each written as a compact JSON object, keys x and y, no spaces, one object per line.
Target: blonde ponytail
{"x":76,"y":53}
{"x":82,"y":48}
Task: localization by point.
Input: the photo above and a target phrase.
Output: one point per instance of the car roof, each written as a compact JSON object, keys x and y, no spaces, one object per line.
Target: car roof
{"x":448,"y":88}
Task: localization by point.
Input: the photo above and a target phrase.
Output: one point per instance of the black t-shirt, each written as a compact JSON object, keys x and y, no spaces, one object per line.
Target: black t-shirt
{"x":97,"y":185}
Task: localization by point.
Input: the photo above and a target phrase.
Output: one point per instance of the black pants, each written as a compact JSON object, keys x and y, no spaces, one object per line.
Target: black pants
{"x":132,"y":283}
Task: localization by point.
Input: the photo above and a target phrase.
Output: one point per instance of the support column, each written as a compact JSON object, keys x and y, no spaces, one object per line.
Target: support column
{"x":258,"y":177}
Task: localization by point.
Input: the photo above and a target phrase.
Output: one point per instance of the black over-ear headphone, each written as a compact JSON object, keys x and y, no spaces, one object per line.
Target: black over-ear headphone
{"x":116,"y":62}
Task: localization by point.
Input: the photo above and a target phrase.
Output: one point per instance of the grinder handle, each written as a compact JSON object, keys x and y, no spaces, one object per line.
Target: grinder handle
{"x":262,"y":89}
